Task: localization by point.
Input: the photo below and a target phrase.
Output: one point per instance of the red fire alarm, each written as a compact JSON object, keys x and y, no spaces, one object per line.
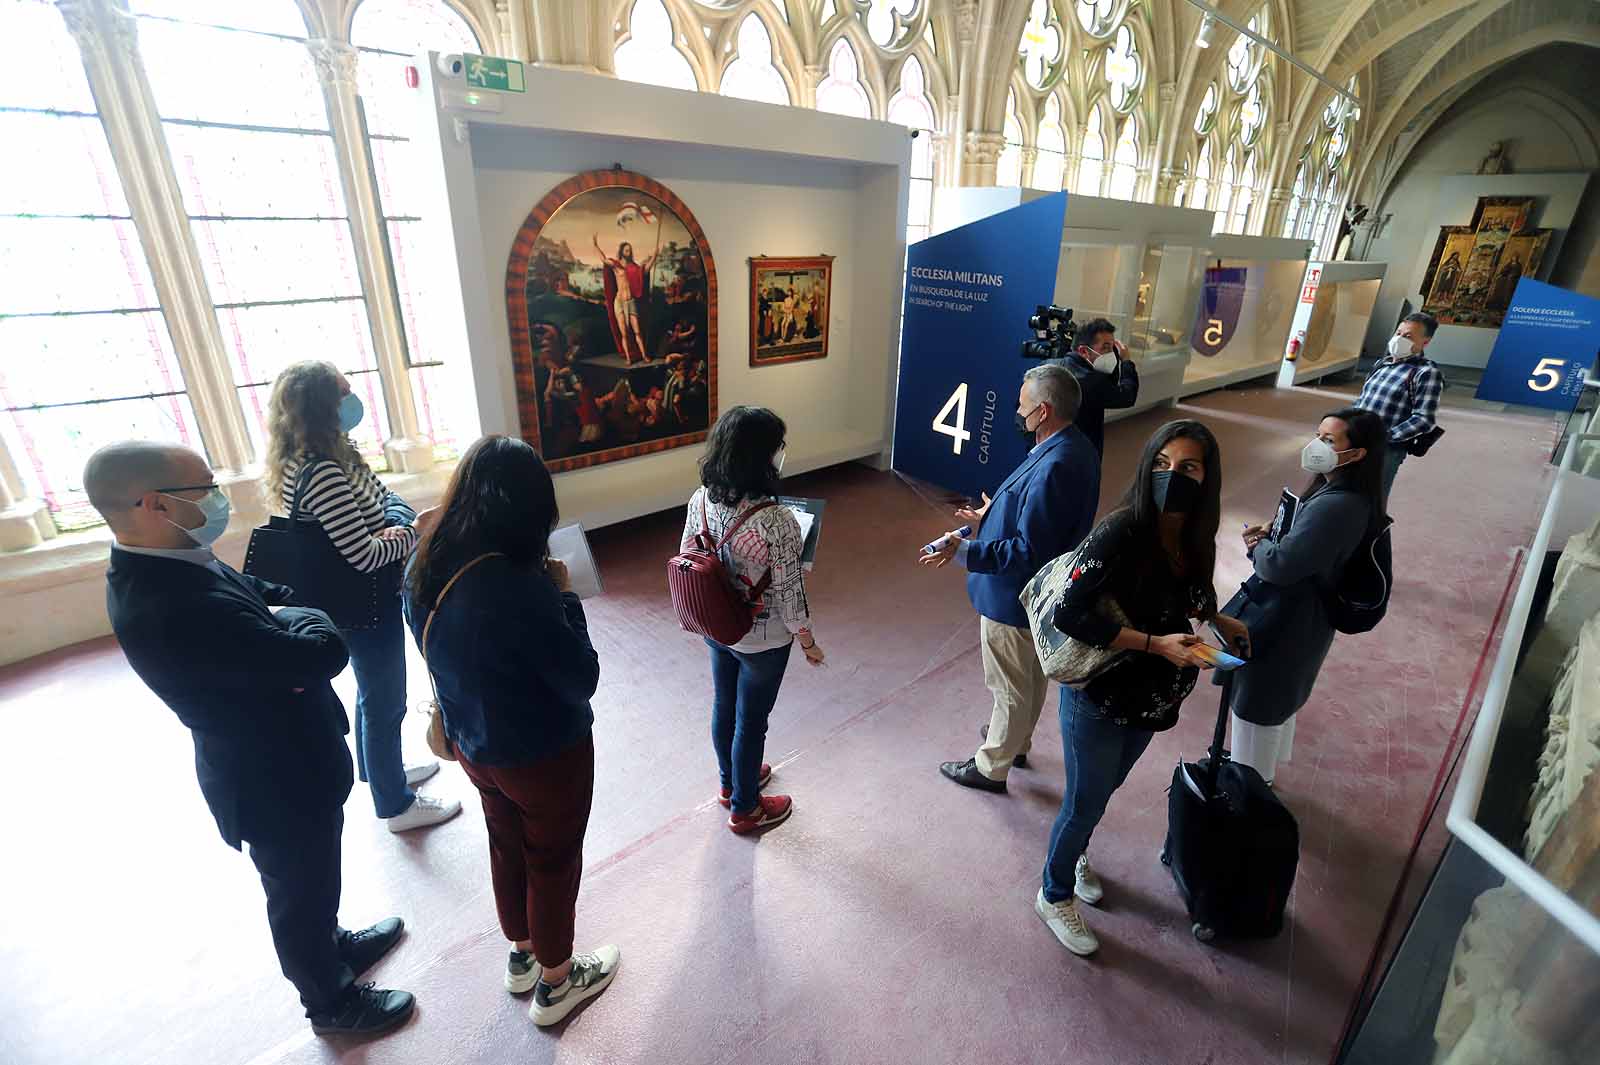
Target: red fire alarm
{"x":412,"y":80}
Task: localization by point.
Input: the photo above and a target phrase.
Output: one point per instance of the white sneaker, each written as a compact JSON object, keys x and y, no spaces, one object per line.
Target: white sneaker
{"x":522,"y":972}
{"x":416,"y":774}
{"x":1088,"y":886}
{"x":423,"y":811}
{"x":1066,"y":922}
{"x":590,"y":975}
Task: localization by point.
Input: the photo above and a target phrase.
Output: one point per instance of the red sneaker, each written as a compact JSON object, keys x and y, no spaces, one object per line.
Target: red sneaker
{"x":725,"y":797}
{"x":770,"y":809}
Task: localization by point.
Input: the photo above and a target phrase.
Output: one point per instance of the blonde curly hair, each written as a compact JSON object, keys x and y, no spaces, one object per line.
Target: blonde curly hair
{"x":303,"y":422}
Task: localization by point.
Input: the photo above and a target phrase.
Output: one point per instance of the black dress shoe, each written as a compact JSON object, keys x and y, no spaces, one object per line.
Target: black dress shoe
{"x":365,"y":1010}
{"x":1019,"y":762}
{"x":361,"y":950}
{"x":966,"y":774}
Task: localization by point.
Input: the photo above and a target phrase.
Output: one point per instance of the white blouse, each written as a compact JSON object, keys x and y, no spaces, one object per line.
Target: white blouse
{"x":770,"y":538}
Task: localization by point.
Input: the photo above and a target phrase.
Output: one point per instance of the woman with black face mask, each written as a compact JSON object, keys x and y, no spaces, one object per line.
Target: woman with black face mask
{"x":1152,"y":557}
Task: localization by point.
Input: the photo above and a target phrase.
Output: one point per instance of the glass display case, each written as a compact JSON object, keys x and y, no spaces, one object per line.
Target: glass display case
{"x":1164,"y":300}
{"x":1330,"y":320}
{"x":1242,"y":323}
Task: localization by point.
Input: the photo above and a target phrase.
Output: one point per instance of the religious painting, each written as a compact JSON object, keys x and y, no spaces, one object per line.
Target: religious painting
{"x":612,"y":297}
{"x":1522,"y":255}
{"x":790,"y":301}
{"x":1449,"y":260}
{"x":1475,"y":268}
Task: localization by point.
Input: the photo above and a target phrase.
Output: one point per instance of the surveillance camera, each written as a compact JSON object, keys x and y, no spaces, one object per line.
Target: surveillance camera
{"x":450,"y":65}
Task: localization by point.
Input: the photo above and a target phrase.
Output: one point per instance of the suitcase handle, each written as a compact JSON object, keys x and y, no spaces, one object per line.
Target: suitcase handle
{"x":1214,"y":762}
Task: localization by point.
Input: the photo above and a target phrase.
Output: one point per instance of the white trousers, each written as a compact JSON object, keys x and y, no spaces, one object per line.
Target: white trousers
{"x":1262,"y":747}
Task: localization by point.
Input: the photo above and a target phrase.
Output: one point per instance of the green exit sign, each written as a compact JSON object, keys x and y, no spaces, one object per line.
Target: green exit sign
{"x":489,"y":72}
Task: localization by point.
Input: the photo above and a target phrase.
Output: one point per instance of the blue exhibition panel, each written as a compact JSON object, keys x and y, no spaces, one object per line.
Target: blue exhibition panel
{"x":969,"y":294}
{"x":1545,"y":349}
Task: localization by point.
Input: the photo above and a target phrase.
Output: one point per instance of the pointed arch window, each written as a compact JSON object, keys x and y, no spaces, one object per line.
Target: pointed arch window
{"x":911,"y":107}
{"x":1049,"y":165}
{"x":1092,"y":156}
{"x":1008,"y":169}
{"x":1125,"y":161}
{"x":751,"y":75}
{"x":1205,"y":116}
{"x":1296,"y":198}
{"x":1124,"y":70}
{"x":841,"y":92}
{"x":887,"y":19}
{"x":1098,"y":17}
{"x":1230,"y":175}
{"x":1200,"y":187}
{"x":1244,"y":197}
{"x":650,"y":54}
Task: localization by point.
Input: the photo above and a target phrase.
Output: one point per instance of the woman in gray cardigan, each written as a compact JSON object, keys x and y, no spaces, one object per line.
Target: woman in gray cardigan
{"x":1290,"y":632}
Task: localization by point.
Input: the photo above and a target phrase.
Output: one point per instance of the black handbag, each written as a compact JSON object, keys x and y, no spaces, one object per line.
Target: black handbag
{"x":302,"y":555}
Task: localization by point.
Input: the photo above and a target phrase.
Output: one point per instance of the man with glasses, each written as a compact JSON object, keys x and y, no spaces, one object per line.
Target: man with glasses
{"x":253,"y":689}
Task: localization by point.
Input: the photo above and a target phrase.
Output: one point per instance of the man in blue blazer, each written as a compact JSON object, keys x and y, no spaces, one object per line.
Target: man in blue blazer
{"x":1042,"y":511}
{"x":252,"y":687}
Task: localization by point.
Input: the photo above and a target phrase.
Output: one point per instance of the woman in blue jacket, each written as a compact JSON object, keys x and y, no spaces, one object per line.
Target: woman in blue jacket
{"x":511,"y":660}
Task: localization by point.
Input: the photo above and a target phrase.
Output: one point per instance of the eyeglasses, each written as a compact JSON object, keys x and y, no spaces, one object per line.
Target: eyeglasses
{"x":185,"y":488}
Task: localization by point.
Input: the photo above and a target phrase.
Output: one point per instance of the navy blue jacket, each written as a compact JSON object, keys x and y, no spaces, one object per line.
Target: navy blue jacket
{"x":512,"y":662}
{"x":1042,"y":511}
{"x":201,"y":637}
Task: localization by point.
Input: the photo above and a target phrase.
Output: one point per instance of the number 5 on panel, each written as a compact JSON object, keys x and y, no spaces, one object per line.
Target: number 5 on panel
{"x":1550,"y":371}
{"x":1213,"y":334}
{"x":957,"y":430}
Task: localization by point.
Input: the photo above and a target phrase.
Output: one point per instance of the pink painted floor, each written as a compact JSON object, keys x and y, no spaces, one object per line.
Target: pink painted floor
{"x":890,"y":920}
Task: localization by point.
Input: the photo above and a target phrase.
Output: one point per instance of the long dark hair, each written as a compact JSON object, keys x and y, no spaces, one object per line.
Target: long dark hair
{"x":738,"y":459}
{"x":1365,"y":478}
{"x":1199,"y":537}
{"x":501,"y":498}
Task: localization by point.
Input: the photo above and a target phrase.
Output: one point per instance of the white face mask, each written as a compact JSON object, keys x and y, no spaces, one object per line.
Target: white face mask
{"x":1400,"y":347}
{"x":1106,"y":363}
{"x":1319,"y":456}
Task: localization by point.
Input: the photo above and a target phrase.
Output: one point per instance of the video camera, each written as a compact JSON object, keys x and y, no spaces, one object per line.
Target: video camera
{"x":1053,"y":330}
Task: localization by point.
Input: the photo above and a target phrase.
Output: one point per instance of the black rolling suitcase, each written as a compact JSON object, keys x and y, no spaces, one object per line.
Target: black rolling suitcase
{"x":1231,"y":844}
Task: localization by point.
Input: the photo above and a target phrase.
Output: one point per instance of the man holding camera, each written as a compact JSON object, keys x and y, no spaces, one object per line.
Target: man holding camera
{"x":1043,"y":510}
{"x":1107,"y":378}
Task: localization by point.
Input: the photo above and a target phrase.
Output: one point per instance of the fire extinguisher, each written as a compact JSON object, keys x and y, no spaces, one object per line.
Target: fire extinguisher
{"x":1294,"y":346}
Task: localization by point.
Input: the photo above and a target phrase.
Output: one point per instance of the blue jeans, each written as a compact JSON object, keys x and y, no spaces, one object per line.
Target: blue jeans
{"x":1099,"y":755}
{"x":379,"y":657}
{"x":1391,"y":466}
{"x":746,"y":689}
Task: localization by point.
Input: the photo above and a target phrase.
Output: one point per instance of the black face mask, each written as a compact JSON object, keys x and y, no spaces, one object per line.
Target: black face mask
{"x":1022,"y":425}
{"x":1174,"y":493}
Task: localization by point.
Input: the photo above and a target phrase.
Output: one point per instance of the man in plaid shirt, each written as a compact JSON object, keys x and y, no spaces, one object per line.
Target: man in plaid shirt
{"x":1404,"y":390}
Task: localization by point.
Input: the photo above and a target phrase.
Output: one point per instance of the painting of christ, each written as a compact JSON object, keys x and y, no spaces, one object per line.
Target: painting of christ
{"x":612,"y":298}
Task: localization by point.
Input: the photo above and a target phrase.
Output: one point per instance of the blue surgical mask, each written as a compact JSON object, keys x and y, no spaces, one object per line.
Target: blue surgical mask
{"x":351,"y":412}
{"x":215,"y":507}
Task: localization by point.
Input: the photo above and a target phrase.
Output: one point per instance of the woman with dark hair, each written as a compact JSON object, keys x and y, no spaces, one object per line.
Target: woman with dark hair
{"x":739,"y":473}
{"x":1152,"y":557}
{"x":311,"y":461}
{"x":513,"y":669}
{"x":1285,"y":605}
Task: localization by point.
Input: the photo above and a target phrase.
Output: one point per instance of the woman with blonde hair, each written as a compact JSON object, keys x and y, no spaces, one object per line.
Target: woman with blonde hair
{"x":311,"y":461}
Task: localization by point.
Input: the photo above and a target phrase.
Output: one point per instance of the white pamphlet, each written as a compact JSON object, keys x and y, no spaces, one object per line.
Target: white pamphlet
{"x":571,"y":546}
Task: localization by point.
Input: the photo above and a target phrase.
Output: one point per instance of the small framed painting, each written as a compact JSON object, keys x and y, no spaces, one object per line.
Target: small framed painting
{"x":790,"y":300}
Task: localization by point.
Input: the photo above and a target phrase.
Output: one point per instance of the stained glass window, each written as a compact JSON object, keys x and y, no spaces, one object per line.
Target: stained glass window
{"x":1124,"y":70}
{"x":1049,"y":165}
{"x":248,"y":131}
{"x":1125,"y":162}
{"x":1243,"y":58}
{"x":1092,"y":156}
{"x":1252,"y":115}
{"x":751,"y":75}
{"x":649,"y":54}
{"x":389,"y":34}
{"x":881,"y":25}
{"x":911,"y":107}
{"x":1206,"y":115}
{"x":85,"y":357}
{"x":841,"y":92}
{"x":1097,"y":16}
{"x":1042,"y":44}
{"x":1008,"y":169}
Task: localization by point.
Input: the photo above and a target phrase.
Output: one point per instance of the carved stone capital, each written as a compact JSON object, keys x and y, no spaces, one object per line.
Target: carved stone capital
{"x":1167,"y":92}
{"x":1283,"y":128}
{"x":1279,"y":195}
{"x":984,"y":148}
{"x":1029,"y":156}
{"x":335,"y":60}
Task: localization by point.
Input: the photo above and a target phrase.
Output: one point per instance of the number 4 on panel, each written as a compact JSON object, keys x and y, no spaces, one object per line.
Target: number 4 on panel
{"x":957,"y":430}
{"x":1550,"y":371}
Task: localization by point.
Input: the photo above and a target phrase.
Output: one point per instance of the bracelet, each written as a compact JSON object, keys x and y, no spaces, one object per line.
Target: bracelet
{"x":1147,"y":643}
{"x":808,"y":646}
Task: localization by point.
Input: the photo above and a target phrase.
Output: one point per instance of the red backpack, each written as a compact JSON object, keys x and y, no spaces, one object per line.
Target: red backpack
{"x":703,"y":592}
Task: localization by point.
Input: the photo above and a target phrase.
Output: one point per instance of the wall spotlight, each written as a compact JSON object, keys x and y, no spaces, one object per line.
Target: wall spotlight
{"x":1208,"y":27}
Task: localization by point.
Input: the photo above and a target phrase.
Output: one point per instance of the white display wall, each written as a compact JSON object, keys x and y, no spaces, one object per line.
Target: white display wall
{"x":761,"y":181}
{"x":1332,"y":324}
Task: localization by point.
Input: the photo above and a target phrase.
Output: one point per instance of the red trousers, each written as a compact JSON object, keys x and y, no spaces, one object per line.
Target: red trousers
{"x":536,"y":815}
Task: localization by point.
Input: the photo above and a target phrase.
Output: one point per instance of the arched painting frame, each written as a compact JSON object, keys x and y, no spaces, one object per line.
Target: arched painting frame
{"x":614,"y":351}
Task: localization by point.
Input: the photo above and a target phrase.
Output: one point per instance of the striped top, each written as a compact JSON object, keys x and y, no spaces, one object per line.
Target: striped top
{"x":770,"y":539}
{"x":352,"y":508}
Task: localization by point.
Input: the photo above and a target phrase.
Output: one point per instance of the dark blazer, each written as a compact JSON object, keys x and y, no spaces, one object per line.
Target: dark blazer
{"x":512,"y":662}
{"x":252,"y":687}
{"x":1101,"y":392}
{"x":1042,"y":511}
